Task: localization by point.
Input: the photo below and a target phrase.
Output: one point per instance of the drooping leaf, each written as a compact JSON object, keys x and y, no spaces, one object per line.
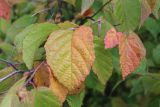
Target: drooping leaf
{"x":112,"y":38}
{"x":86,"y":4}
{"x":18,"y":26}
{"x":76,"y":100}
{"x":70,"y":56}
{"x":131,"y":52}
{"x":102,"y":66}
{"x":127,"y":16}
{"x":4,"y":10}
{"x":31,"y":39}
{"x":45,"y":78}
{"x":145,"y":11}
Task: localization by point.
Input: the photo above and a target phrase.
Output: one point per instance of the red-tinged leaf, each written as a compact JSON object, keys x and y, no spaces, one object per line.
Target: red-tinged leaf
{"x":4,"y":10}
{"x":131,"y":51}
{"x":112,"y":38}
{"x":145,"y":11}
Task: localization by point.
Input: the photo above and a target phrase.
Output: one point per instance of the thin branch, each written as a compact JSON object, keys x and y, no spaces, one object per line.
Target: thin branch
{"x":9,"y":63}
{"x":10,"y":75}
{"x":34,"y":72}
{"x":44,"y":10}
{"x":100,"y":9}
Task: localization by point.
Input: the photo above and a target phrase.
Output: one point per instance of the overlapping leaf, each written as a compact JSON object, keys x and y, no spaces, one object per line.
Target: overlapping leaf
{"x":70,"y":56}
{"x":102,"y":66}
{"x":45,"y":78}
{"x":131,"y":52}
{"x":29,"y":40}
{"x":112,"y":38}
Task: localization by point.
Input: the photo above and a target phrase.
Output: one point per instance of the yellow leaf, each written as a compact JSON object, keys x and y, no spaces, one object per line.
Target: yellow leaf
{"x":70,"y":56}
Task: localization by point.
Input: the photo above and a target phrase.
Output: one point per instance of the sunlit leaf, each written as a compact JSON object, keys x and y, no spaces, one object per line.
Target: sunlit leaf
{"x":70,"y":55}
{"x":131,"y":52}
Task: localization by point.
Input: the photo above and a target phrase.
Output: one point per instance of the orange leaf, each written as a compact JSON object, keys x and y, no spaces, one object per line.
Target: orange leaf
{"x":112,"y":38}
{"x":4,"y":10}
{"x":45,"y":78}
{"x":131,"y":51}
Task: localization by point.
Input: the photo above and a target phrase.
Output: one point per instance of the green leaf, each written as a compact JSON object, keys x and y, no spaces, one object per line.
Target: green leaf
{"x":151,"y":23}
{"x":76,"y":100}
{"x":118,"y":102}
{"x":7,"y":49}
{"x":86,"y":4}
{"x":4,"y":25}
{"x":92,"y":82}
{"x":44,"y":97}
{"x":127,"y":14}
{"x":156,"y":54}
{"x":102,"y":66}
{"x":73,"y":2}
{"x":33,"y":39}
{"x":142,"y":68}
{"x":11,"y":98}
{"x":41,"y":97}
{"x":18,"y":26}
{"x":5,"y":85}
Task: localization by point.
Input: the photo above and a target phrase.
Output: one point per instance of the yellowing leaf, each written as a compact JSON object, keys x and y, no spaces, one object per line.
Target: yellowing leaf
{"x":45,"y":78}
{"x":41,"y":77}
{"x":145,"y":11}
{"x":70,"y":56}
{"x":58,"y":89}
{"x":112,"y":38}
{"x":131,"y":52}
{"x":152,"y":4}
